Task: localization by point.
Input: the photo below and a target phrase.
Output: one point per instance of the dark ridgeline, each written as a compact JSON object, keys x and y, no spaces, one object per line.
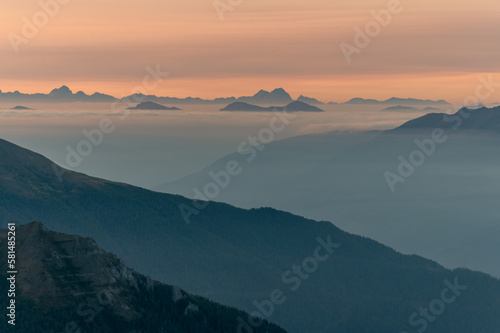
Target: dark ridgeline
{"x":309,"y":100}
{"x":398,"y":101}
{"x":400,"y":108}
{"x":292,"y":107}
{"x":68,"y":283}
{"x":277,"y":96}
{"x":151,"y":106}
{"x":238,"y":257}
{"x":482,"y":119}
{"x":64,"y":94}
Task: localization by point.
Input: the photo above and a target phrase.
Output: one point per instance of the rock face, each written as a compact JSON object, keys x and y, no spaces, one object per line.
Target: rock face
{"x":69,"y":274}
{"x":53,"y":266}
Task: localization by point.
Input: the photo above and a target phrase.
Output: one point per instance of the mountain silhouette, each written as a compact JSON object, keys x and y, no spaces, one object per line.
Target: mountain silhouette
{"x":465,"y":118}
{"x":64,"y":94}
{"x":20,"y":107}
{"x":400,"y":108}
{"x":262,"y":97}
{"x":309,"y":100}
{"x":151,"y":106}
{"x":340,"y":177}
{"x":292,"y":107}
{"x":397,"y":101}
{"x":277,"y":96}
{"x":66,"y":279}
{"x":244,"y":258}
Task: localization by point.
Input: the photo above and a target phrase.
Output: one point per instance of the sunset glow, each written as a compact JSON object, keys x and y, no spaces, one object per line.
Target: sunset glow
{"x":429,"y":50}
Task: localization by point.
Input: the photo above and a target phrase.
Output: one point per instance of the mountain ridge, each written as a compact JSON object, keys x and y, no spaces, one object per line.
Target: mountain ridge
{"x":318,"y":175}
{"x":397,"y":101}
{"x":295,"y":106}
{"x":276,"y":96}
{"x":151,"y":106}
{"x":466,"y":118}
{"x":94,"y":290}
{"x":238,"y":257}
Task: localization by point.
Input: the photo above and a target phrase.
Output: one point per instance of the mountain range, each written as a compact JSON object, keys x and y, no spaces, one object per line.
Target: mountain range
{"x":305,"y":275}
{"x":398,"y":101}
{"x":276,"y":97}
{"x":482,"y":118}
{"x":410,"y":108}
{"x":342,"y":177}
{"x":291,"y":107}
{"x":151,"y":106}
{"x":67,"y":281}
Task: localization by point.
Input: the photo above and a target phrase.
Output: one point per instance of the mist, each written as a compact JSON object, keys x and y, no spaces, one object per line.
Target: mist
{"x":147,"y":148}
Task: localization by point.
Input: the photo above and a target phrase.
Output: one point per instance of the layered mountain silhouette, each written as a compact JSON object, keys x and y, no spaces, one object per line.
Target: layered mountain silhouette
{"x":277,"y":96}
{"x":292,"y":107}
{"x":328,"y":280}
{"x":151,"y":106}
{"x":400,"y":108}
{"x":68,"y":281}
{"x":397,"y":101}
{"x":309,"y":100}
{"x":64,"y":94}
{"x":410,"y":108}
{"x":340,"y":177}
{"x":482,"y":118}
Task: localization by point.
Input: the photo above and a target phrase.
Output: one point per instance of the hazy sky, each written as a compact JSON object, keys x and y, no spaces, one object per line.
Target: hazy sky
{"x":432,"y":49}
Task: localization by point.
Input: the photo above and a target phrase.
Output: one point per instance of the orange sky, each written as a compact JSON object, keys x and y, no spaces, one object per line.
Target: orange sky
{"x":433,"y":49}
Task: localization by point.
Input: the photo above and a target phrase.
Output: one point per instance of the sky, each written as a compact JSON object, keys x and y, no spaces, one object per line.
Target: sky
{"x":429,"y":49}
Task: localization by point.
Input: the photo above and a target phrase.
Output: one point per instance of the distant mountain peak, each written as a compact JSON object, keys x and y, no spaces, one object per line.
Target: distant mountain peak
{"x":281,"y":92}
{"x":308,"y":100}
{"x":262,"y":93}
{"x":277,"y":96}
{"x":62,"y":91}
